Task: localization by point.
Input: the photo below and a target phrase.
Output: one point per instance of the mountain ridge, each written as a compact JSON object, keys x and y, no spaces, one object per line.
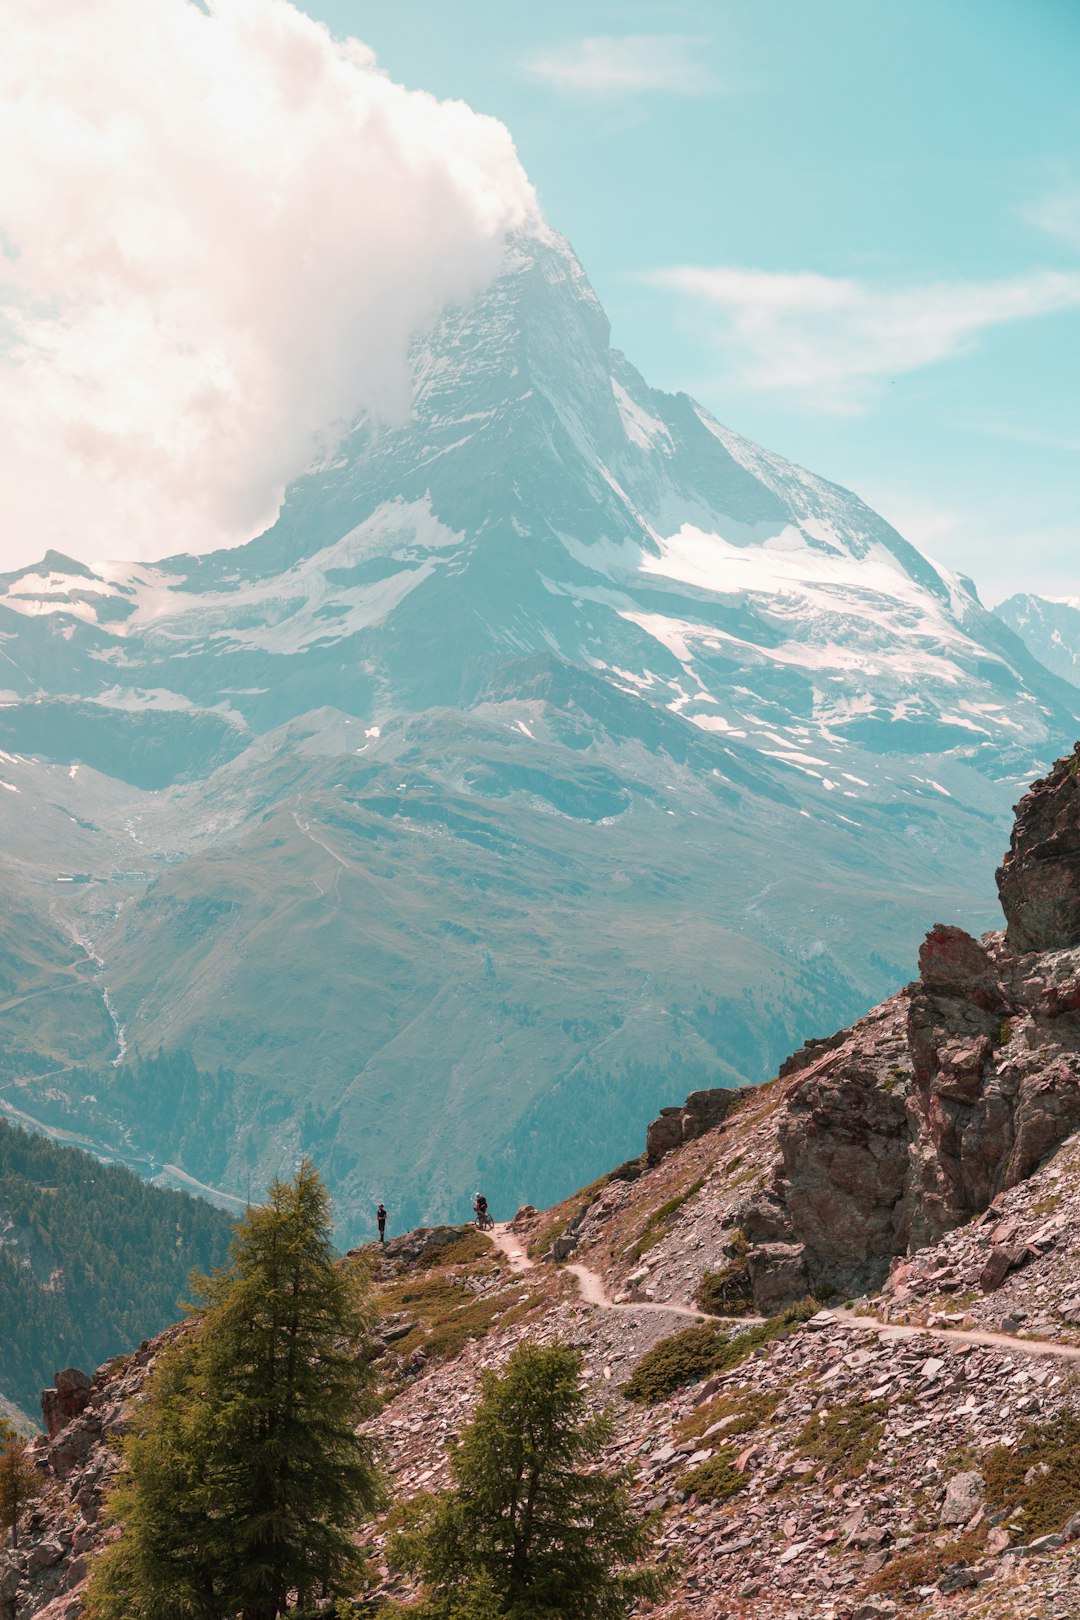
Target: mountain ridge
{"x":361,"y":813}
{"x":1049,"y":627}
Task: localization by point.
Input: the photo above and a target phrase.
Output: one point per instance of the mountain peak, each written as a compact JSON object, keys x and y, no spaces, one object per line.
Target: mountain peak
{"x":560,"y":646}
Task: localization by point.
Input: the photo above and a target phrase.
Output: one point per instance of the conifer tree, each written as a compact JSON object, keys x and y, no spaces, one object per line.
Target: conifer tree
{"x":20,"y":1481}
{"x":244,"y":1476}
{"x":532,"y":1521}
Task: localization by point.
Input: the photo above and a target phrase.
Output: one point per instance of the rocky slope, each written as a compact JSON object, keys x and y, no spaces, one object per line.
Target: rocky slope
{"x":903,"y":1444}
{"x":561,"y":648}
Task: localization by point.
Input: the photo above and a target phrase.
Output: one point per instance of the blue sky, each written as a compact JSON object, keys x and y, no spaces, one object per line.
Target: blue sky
{"x":851,"y":228}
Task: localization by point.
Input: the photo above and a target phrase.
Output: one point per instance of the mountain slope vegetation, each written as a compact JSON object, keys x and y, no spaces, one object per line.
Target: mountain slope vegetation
{"x":92,"y":1259}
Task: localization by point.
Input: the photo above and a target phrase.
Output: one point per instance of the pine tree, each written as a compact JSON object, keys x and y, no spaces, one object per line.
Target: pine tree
{"x":244,"y":1476}
{"x":531,"y":1517}
{"x":20,"y":1482}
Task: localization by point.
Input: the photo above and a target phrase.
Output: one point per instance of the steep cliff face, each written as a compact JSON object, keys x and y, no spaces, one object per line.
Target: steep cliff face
{"x":1039,"y":880}
{"x":890,"y":1134}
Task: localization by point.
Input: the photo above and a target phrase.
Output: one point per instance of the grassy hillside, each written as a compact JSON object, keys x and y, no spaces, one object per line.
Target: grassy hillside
{"x":92,"y":1260}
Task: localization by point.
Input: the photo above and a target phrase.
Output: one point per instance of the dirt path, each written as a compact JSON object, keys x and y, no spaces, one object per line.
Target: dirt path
{"x":591,"y":1285}
{"x":511,"y":1245}
{"x":995,"y":1341}
{"x":593,"y":1292}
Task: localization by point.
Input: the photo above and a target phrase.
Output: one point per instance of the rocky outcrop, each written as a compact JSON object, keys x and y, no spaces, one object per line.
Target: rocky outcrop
{"x":78,"y":1460}
{"x":421,"y":1246}
{"x":1039,"y":879}
{"x":894,"y":1132}
{"x":844,"y":1144}
{"x":702,"y":1111}
{"x":69,"y":1396}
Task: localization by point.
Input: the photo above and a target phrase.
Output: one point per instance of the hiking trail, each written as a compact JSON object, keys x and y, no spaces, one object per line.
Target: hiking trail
{"x":593,"y":1291}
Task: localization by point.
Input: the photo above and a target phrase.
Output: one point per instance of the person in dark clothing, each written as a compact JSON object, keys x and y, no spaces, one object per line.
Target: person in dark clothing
{"x":380,"y":1216}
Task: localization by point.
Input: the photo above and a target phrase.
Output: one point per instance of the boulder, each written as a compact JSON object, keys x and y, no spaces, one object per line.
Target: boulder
{"x":44,"y":1554}
{"x":956,"y":1577}
{"x":963,"y":1497}
{"x":1002,"y":1259}
{"x":951,"y":962}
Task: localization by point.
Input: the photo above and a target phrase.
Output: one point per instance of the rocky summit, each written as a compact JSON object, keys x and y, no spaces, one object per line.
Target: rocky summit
{"x":837,"y":1317}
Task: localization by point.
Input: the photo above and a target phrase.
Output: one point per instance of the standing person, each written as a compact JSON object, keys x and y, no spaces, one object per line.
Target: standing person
{"x":380,"y":1216}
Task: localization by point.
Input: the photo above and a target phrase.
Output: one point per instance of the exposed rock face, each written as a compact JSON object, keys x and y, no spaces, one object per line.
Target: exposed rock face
{"x":896,"y":1131}
{"x":1039,"y":880}
{"x":701,"y":1111}
{"x":70,"y":1396}
{"x":844,"y":1141}
{"x":944,"y":1097}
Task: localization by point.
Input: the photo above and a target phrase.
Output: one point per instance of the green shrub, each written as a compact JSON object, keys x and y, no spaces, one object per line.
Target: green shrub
{"x":680,"y":1359}
{"x":715,"y":1480}
{"x":727,"y":1292}
{"x":843,"y":1438}
{"x":684,"y":1358}
{"x":1052,"y":1495}
{"x":925,"y":1565}
{"x":747,"y":1408}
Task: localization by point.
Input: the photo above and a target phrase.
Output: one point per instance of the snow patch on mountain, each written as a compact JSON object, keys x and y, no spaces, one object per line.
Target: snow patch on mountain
{"x":642,"y":428}
{"x":308,"y":603}
{"x":1049,"y":626}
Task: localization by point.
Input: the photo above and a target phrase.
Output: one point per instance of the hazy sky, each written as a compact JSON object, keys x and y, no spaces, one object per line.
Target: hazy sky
{"x":850,"y":227}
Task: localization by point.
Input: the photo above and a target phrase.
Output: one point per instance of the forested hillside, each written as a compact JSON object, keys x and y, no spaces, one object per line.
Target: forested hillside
{"x":92,"y":1260}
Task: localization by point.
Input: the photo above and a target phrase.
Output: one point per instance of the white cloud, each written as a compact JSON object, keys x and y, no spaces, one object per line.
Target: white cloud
{"x":220,"y":229}
{"x":830,"y":341}
{"x":612,"y":65}
{"x":1058,"y":214}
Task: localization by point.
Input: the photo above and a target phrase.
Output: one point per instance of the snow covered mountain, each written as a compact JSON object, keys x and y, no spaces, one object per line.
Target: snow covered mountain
{"x":1050,"y":629}
{"x":553,"y":751}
